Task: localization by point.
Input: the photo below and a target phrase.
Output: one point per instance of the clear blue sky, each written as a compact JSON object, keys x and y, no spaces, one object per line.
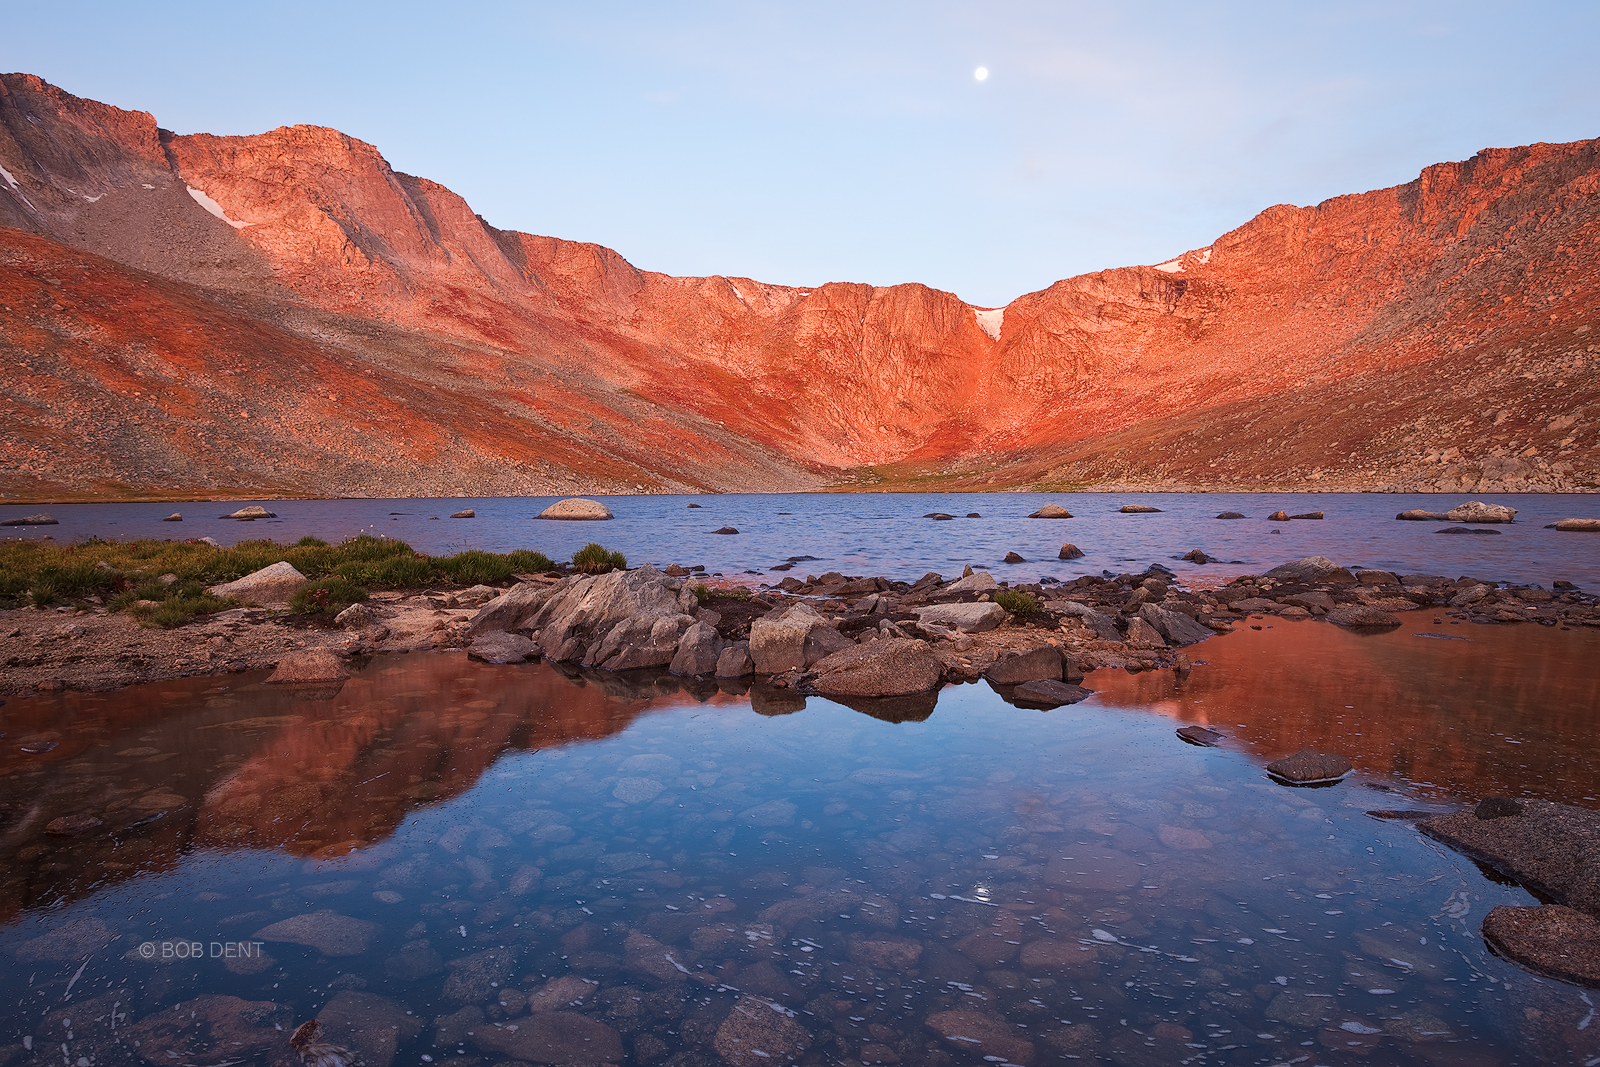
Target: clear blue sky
{"x":810,"y":142}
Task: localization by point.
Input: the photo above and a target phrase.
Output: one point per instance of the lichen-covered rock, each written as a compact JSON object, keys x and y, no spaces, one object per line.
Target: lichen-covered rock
{"x":1478,"y":511}
{"x":760,"y":1033}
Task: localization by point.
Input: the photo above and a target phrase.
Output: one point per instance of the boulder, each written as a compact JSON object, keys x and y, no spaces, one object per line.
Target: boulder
{"x":176,"y":516}
{"x":980,"y":1033}
{"x":1142,"y":635}
{"x":887,"y":668}
{"x":1463,"y":530}
{"x":372,"y":1025}
{"x":312,"y":666}
{"x":1552,"y":940}
{"x":1014,"y":668}
{"x":555,"y":1037}
{"x":1199,"y":735}
{"x":646,"y":640}
{"x":497,"y":646}
{"x":698,"y":651}
{"x":1050,"y":694}
{"x":1194,"y":555}
{"x":1230,"y":515}
{"x":1311,"y":601}
{"x":1309,"y":767}
{"x":1578,"y":525}
{"x":1418,"y":515}
{"x":976,"y":582}
{"x":1478,"y":511}
{"x":468,"y":514}
{"x":574,"y":618}
{"x":355,"y":617}
{"x":254,"y":511}
{"x":1176,"y":627}
{"x":576,"y":508}
{"x":1051,"y":511}
{"x":1312,"y":570}
{"x":938,"y":516}
{"x":760,"y":1033}
{"x":40,"y":519}
{"x":778,"y":640}
{"x":968,"y":618}
{"x":1550,"y":847}
{"x":1278,"y":516}
{"x":735,"y":662}
{"x":1362,"y":616}
{"x":726,"y":530}
{"x":1308,"y":515}
{"x":1138,"y":509}
{"x":1012,"y":557}
{"x":1070,"y":551}
{"x":824,"y":641}
{"x":269,"y":587}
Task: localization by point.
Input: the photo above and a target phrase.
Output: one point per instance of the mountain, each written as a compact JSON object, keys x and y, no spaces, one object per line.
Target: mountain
{"x":286,"y":314}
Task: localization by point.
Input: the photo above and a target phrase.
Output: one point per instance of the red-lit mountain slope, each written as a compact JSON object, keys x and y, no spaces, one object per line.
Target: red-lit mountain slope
{"x":1430,"y":336}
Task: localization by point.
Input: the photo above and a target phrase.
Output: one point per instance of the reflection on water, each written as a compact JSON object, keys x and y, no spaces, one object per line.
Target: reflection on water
{"x":488,"y":865}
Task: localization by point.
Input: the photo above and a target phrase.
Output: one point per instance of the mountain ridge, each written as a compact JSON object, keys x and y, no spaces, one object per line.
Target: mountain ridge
{"x":533,"y":364}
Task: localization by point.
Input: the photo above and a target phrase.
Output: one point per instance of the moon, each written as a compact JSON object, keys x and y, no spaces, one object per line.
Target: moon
{"x":981,"y":73}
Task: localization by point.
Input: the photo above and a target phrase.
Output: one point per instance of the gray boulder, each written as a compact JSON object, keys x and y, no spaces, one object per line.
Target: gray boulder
{"x":1037,"y":665}
{"x":1419,"y":515}
{"x":735,"y":662}
{"x":968,"y":618}
{"x":1312,"y":570}
{"x":40,"y":519}
{"x":1176,"y":627}
{"x":497,"y":646}
{"x":699,"y":651}
{"x":976,"y":582}
{"x":778,"y":640}
{"x":312,"y":666}
{"x":824,"y":641}
{"x":254,"y":511}
{"x":1478,"y":511}
{"x":641,"y":641}
{"x":576,"y":508}
{"x":269,"y":587}
{"x":1578,"y":525}
{"x":574,"y":619}
{"x":1051,"y":511}
{"x":1049,"y":693}
{"x":891,"y":667}
{"x":1362,"y":616}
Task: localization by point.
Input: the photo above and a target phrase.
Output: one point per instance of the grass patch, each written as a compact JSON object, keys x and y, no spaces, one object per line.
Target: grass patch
{"x":1020,"y":605}
{"x":329,"y":595}
{"x":701,"y":593}
{"x":595,"y":558}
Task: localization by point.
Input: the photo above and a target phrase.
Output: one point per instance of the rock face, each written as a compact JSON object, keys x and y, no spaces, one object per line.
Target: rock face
{"x":1478,"y":511}
{"x":1293,"y":311}
{"x":576,"y":508}
{"x":895,"y":667}
{"x":269,"y":587}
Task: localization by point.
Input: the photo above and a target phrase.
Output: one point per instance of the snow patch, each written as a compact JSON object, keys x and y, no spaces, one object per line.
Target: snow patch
{"x":989,"y":321}
{"x":92,"y":199}
{"x":12,"y":182}
{"x":1205,"y":255}
{"x":1199,"y":257}
{"x":1171,"y":266}
{"x":215,"y":208}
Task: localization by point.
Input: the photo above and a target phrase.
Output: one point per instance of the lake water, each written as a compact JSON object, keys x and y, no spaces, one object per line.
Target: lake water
{"x":454,"y":863}
{"x":885,"y":534}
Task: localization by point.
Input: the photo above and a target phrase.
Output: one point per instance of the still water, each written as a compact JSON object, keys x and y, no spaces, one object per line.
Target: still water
{"x":885,"y":533}
{"x":451,"y":863}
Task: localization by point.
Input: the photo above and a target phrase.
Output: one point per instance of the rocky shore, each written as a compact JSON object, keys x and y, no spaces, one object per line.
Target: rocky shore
{"x":845,"y":636}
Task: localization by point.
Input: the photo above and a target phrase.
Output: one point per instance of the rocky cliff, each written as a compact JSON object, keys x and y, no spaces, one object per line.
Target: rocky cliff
{"x":285,"y":313}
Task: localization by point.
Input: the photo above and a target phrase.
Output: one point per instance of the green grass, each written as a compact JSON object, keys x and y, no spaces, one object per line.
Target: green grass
{"x":123,"y":573}
{"x":595,"y":558}
{"x":1018,"y":604}
{"x":325,"y":596}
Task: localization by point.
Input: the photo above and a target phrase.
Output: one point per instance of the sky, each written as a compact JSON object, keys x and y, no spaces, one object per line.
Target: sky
{"x":803,"y":143}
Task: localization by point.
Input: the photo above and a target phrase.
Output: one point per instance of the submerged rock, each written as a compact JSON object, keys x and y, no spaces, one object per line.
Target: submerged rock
{"x":326,"y":931}
{"x":980,"y":1033}
{"x":1550,"y":939}
{"x":1231,"y":515}
{"x":576,"y":508}
{"x":214,"y":1029}
{"x":1419,"y":515}
{"x":759,"y":1033}
{"x":1309,"y":767}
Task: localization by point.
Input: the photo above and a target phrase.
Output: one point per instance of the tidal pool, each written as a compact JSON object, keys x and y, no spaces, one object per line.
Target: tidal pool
{"x":445,"y":862}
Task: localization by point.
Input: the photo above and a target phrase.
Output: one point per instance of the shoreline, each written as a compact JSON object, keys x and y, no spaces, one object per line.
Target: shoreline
{"x":1137,"y":622}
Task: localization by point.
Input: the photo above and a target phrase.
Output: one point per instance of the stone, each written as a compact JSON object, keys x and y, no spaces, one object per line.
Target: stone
{"x":1138,"y":509}
{"x":1552,"y":848}
{"x":1230,"y":515}
{"x":576,"y":509}
{"x":75,"y":939}
{"x":1051,"y":511}
{"x":974,"y":515}
{"x":890,"y":667}
{"x":693,"y":505}
{"x":938,"y":516}
{"x":759,"y":1033}
{"x":726,"y":530}
{"x":1142,"y":635}
{"x":312,"y":666}
{"x":1550,"y":939}
{"x":1367,"y":576}
{"x":268,"y":587}
{"x":1049,"y":693}
{"x":468,"y":514}
{"x":1578,"y":525}
{"x":326,"y":931}
{"x":1497,"y":808}
{"x":983,"y":1034}
{"x":1194,"y":555}
{"x":497,"y":646}
{"x":615,"y":621}
{"x":1070,"y":551}
{"x":213,"y":1029}
{"x":1312,"y":570}
{"x":1463,"y":530}
{"x":416,"y":959}
{"x":40,"y":519}
{"x":1174,"y":626}
{"x":68,"y":825}
{"x":254,"y":511}
{"x":778,"y":640}
{"x":824,"y":641}
{"x":1182,"y":838}
{"x":555,"y":1037}
{"x":557,"y":994}
{"x":1012,"y":557}
{"x":635,"y":790}
{"x":1278,"y":516}
{"x":1053,"y":958}
{"x":894,"y":954}
{"x":644,"y":955}
{"x":1478,"y":511}
{"x":475,"y":978}
{"x":372,"y":1025}
{"x":355,"y":617}
{"x":1199,"y":735}
{"x":176,"y":516}
{"x":1014,"y":668}
{"x":1308,"y":515}
{"x":968,"y":618}
{"x":699,"y":650}
{"x":1309,"y":767}
{"x":1419,"y":515}
{"x":1362,"y":617}
{"x":976,"y":582}
{"x":735,"y":662}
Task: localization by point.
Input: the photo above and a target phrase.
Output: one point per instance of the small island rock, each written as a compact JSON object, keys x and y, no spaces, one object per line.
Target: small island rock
{"x":1051,"y":511}
{"x":577,"y":509}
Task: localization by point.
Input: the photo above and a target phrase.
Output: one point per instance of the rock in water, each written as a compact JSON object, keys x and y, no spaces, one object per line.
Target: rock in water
{"x":312,"y":666}
{"x":1552,"y":940}
{"x":1478,"y":511}
{"x":576,"y":508}
{"x":176,"y":516}
{"x":326,"y":931}
{"x":1138,"y":509}
{"x":1070,"y":551}
{"x":40,"y":519}
{"x":1012,"y":557}
{"x":1463,"y":530}
{"x":1308,"y":515}
{"x":760,"y":1033}
{"x":1194,"y":555}
{"x":887,"y":668}
{"x":1051,"y":511}
{"x":1579,"y":525}
{"x":67,"y":825}
{"x":254,"y":511}
{"x":1041,"y":664}
{"x":973,"y":582}
{"x":468,"y":514}
{"x":726,"y":530}
{"x":1309,"y":767}
{"x":1418,"y":515}
{"x":938,"y":516}
{"x":269,"y":587}
{"x":1230,"y":515}
{"x":1278,"y":516}
{"x":1312,"y":570}
{"x":1199,"y":735}
{"x":1050,"y":694}
{"x":1362,"y":617}
{"x":497,"y":646}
